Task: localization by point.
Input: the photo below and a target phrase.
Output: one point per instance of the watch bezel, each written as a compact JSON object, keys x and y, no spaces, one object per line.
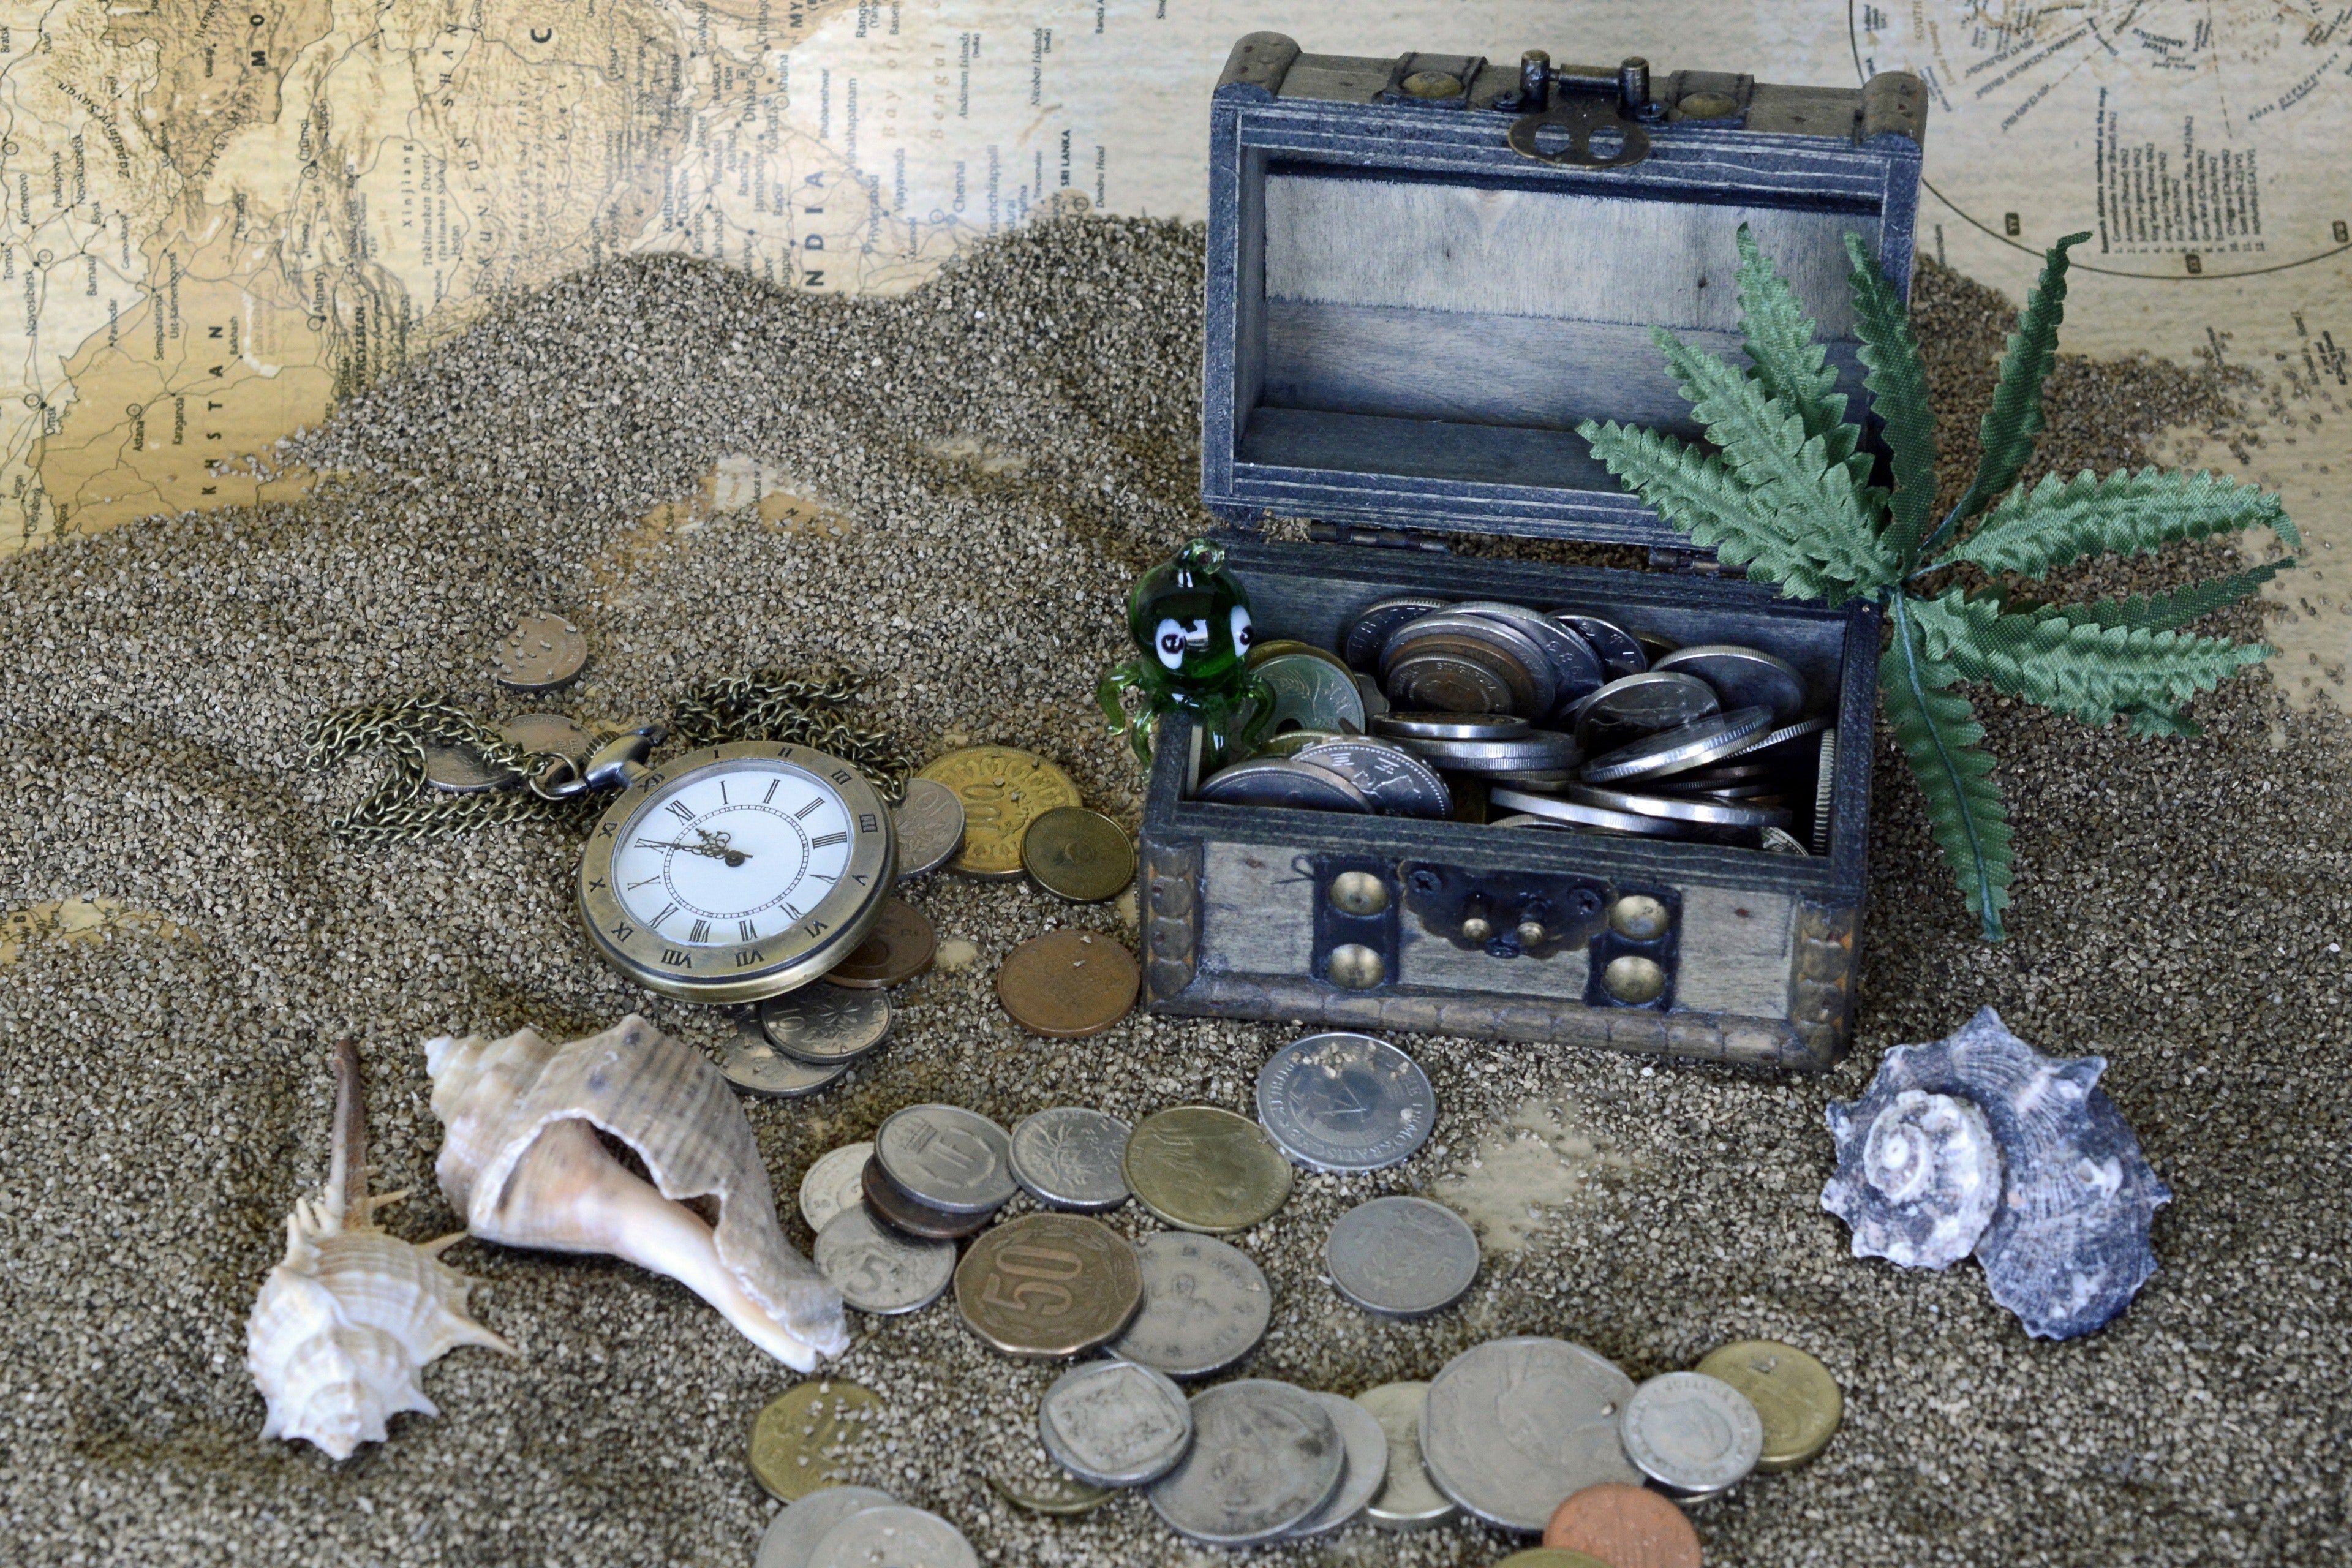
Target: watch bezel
{"x":768,"y":965}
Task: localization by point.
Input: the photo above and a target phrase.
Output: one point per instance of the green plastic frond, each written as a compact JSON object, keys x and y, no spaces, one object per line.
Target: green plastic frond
{"x":1766,"y":445}
{"x":2015,"y":417}
{"x":1897,"y":380}
{"x":2058,"y":521}
{"x":2154,"y":722}
{"x":2078,"y":668}
{"x":1940,"y":737}
{"x":1698,"y":493}
{"x":2163,"y":612}
{"x":1785,"y":353}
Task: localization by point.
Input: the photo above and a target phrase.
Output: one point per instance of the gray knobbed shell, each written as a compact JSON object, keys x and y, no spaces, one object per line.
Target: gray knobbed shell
{"x":1918,"y":1176}
{"x":521,"y":1163}
{"x":2068,"y":1246}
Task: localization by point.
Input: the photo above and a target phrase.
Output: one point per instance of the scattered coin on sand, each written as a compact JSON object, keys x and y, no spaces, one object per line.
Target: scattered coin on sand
{"x":878,"y":1268}
{"x":1625,"y":1526}
{"x":1401,"y":1255}
{"x":833,"y":1183}
{"x":808,"y":1436}
{"x":1694,"y":1434}
{"x":794,"y":1533}
{"x":1061,"y":1496}
{"x":1794,"y":1395}
{"x":1004,"y":791}
{"x":930,"y":821}
{"x":1201,"y":1168}
{"x":1068,"y":1157}
{"x":893,"y":1537}
{"x":1265,"y":1456}
{"x":899,"y":948}
{"x":750,"y":1061}
{"x":1049,"y":1285}
{"x":1205,"y":1306}
{"x":1408,"y":1498}
{"x":1078,"y":855}
{"x":825,"y":1026}
{"x":1115,"y":1423}
{"x":891,"y":1204}
{"x":946,"y":1157}
{"x":1067,"y":985}
{"x":543,"y":652}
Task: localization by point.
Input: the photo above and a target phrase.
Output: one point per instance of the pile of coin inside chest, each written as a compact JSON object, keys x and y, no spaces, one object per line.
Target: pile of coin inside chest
{"x":1499,"y":714}
{"x":1512,"y":1432}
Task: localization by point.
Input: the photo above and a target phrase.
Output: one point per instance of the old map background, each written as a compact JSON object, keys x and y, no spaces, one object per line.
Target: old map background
{"x":217,"y":217}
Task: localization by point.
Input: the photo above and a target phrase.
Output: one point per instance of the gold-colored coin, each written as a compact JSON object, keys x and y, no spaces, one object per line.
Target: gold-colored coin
{"x":1061,"y":1494}
{"x":1049,"y":1285}
{"x":1078,"y":855}
{"x":1200,"y":1168}
{"x":1795,"y":1394}
{"x":809,"y":1435}
{"x":1260,"y":652}
{"x":1067,"y":985}
{"x":1549,"y":1557}
{"x":1004,"y":791}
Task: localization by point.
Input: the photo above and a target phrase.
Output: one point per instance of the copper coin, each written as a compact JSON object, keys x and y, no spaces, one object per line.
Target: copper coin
{"x":892,"y":1204}
{"x":1050,"y":1285}
{"x":1067,"y":985}
{"x":899,"y":948}
{"x":1626,"y":1526}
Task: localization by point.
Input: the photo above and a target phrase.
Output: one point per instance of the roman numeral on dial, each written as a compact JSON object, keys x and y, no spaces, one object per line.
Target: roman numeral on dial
{"x":829,"y":840}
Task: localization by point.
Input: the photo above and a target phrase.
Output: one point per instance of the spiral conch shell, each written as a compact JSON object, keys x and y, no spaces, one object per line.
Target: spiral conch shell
{"x":346,"y":1323}
{"x":523,"y":1163}
{"x":2065,"y":1245}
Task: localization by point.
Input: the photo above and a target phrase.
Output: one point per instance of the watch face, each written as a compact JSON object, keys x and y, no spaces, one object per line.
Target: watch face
{"x":737,"y":871}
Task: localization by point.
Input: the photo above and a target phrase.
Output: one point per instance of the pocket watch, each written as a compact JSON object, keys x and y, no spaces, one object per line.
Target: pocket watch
{"x":734,"y":872}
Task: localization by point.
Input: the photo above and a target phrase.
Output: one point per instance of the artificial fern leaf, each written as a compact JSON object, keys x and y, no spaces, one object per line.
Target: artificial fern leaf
{"x":2154,"y":722}
{"x":2163,"y":612}
{"x":2035,"y":531}
{"x":2080,"y":668}
{"x":1698,"y":493}
{"x":2015,"y":417}
{"x":1766,"y":445}
{"x":1939,"y":736}
{"x":1898,"y":389}
{"x":1785,"y":352}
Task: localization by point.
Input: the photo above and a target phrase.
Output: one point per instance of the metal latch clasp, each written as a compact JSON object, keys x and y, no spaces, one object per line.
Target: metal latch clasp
{"x":1603,"y":127}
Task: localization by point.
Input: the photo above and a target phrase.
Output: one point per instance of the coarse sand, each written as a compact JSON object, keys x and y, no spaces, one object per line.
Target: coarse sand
{"x":984,"y":466}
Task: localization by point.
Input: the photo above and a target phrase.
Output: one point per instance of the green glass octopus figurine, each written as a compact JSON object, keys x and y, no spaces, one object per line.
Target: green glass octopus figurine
{"x":1192,"y":622}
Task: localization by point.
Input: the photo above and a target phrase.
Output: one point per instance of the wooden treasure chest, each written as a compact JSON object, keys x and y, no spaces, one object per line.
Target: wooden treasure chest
{"x":1423,"y":274}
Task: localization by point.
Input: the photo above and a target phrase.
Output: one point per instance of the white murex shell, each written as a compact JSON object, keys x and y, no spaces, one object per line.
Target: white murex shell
{"x":523,"y":1163}
{"x":347,"y":1322}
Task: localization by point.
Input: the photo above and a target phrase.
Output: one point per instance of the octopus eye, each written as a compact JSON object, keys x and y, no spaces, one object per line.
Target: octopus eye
{"x":1169,"y":644}
{"x":1245,"y":634}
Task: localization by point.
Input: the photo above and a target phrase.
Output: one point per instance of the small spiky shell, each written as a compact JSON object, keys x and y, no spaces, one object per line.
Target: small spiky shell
{"x":2067,"y":1245}
{"x":1918,"y":1176}
{"x":523,"y":1163}
{"x":345,"y":1327}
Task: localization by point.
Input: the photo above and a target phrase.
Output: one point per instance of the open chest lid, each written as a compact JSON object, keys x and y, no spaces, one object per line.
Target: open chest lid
{"x":1425,"y":271}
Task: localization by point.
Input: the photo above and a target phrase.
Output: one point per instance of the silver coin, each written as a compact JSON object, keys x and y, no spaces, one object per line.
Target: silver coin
{"x":1824,"y":792}
{"x":1646,"y":704}
{"x":893,"y":1537}
{"x":1402,"y":1257}
{"x":1290,"y":742}
{"x":461,"y":769}
{"x":1618,"y":650}
{"x":1398,"y":782}
{"x":1575,"y":666}
{"x":930,"y":821}
{"x":1673,"y":751}
{"x":1282,"y":780}
{"x":1310,"y":692}
{"x":1513,"y":1426}
{"x":1374,"y":621}
{"x":1205,"y":1306}
{"x":833,"y":1183}
{"x":1558,"y":811}
{"x":1537,"y":751}
{"x":1780,"y":737}
{"x":550,"y":732}
{"x":1069,"y":1158}
{"x":1451,"y":682}
{"x":1451,"y":726}
{"x":1408,"y":1498}
{"x":1544,"y":781}
{"x":751,"y":1061}
{"x":793,"y":1534}
{"x":1692,"y":1434}
{"x":1536,"y":689}
{"x":1345,"y":1102}
{"x":879,"y":1269}
{"x":1115,"y":1423}
{"x":1376,"y":701}
{"x":544,"y":651}
{"x":1681,"y":808}
{"x":1742,"y":677}
{"x":946,"y":1157}
{"x":1367,"y":1467}
{"x":1265,"y":1456}
{"x":1777,"y":841}
{"x":825,"y":1026}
